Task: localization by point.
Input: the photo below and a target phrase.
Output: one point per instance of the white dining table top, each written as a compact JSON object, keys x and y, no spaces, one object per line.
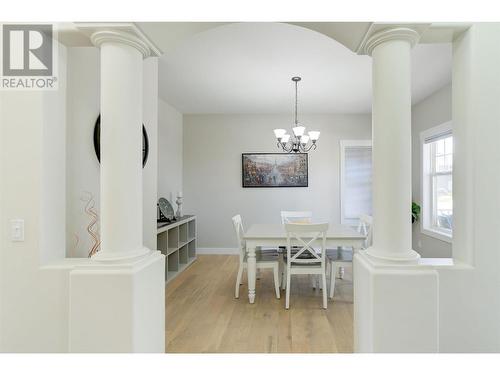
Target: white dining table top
{"x":336,"y":231}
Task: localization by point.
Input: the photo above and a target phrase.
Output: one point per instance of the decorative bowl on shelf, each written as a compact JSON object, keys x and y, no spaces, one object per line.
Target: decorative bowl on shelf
{"x":166,"y":212}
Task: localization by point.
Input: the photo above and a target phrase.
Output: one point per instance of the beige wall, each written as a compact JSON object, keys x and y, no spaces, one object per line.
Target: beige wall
{"x":432,"y":111}
{"x":213,"y":145}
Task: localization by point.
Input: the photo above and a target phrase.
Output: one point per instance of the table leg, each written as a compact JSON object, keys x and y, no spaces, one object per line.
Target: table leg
{"x":355,"y":249}
{"x":251,"y":272}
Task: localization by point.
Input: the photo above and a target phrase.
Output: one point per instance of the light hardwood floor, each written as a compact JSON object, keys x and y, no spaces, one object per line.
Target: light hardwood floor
{"x":202,"y":314}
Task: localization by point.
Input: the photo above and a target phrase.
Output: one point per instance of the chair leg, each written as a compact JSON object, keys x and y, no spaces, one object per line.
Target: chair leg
{"x":287,"y":300}
{"x":333,"y":274}
{"x":283,"y":278}
{"x":238,"y":281}
{"x":277,"y":281}
{"x":323,"y":281}
{"x":341,"y":272}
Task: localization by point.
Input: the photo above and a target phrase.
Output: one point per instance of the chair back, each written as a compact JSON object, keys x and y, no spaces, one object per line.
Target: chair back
{"x":306,"y":236}
{"x":238,"y":228}
{"x":365,"y":227}
{"x":296,"y":217}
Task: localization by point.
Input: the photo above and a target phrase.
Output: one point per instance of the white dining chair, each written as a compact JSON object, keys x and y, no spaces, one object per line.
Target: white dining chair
{"x":292,"y":217}
{"x":263,"y":260}
{"x":307,"y":236}
{"x":296,"y":217}
{"x":342,"y":258}
{"x":365,"y":227}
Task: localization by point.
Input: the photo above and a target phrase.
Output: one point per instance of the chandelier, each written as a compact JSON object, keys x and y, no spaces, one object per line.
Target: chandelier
{"x":297,"y":141}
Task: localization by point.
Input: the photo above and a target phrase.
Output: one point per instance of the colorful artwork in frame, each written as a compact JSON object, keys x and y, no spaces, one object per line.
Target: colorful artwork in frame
{"x":274,"y":170}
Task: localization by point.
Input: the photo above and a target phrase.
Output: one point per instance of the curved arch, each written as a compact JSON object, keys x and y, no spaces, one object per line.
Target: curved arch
{"x":169,"y":34}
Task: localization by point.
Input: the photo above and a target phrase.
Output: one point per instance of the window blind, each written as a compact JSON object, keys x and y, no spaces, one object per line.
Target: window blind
{"x":358,"y":181}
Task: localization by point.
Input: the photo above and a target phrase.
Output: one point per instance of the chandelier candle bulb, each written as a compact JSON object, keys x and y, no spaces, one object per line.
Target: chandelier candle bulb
{"x":285,"y":138}
{"x":279,"y":133}
{"x":304,"y":139}
{"x":299,"y":131}
{"x":314,"y":135}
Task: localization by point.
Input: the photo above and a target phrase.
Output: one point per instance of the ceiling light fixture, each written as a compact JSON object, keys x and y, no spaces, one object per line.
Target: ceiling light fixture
{"x":297,"y":141}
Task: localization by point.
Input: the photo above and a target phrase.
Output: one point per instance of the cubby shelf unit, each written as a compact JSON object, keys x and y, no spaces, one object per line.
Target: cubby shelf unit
{"x":177,"y":241}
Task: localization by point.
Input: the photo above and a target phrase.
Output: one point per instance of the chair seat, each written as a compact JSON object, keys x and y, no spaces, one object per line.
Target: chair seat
{"x":266,"y":250}
{"x":304,"y":255}
{"x":339,"y":255}
{"x":294,"y":249}
{"x":263,"y":257}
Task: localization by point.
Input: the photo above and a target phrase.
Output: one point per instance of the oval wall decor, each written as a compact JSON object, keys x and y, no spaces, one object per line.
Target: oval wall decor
{"x":97,"y":142}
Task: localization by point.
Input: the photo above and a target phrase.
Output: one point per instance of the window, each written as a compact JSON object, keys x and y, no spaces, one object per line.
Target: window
{"x":355,"y":180}
{"x":437,"y":182}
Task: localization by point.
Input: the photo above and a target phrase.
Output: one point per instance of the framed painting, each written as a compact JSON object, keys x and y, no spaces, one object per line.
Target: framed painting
{"x":274,"y":170}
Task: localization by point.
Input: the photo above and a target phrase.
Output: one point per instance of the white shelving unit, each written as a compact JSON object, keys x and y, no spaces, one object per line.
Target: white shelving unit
{"x":177,"y":241}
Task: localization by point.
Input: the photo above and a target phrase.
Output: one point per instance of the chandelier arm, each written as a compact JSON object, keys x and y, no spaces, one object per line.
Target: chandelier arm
{"x":285,"y":148}
{"x":307,"y":149}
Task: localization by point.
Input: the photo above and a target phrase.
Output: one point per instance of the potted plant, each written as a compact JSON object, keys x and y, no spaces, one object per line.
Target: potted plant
{"x":415,"y":212}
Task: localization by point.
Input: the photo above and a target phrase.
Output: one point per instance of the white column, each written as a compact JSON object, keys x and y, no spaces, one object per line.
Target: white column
{"x":121,"y":144}
{"x":395,"y":298}
{"x":117,"y":299}
{"x":391,"y":119}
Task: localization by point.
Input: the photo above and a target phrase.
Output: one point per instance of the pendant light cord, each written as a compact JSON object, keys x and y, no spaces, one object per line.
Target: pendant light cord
{"x":296,"y":101}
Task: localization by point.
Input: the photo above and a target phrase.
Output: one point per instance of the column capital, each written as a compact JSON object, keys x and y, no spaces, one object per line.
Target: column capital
{"x":381,"y":33}
{"x":386,"y":35}
{"x":112,"y":36}
{"x":123,"y":33}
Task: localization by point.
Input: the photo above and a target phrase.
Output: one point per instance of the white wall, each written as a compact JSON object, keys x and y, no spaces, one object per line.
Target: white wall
{"x":40,"y":172}
{"x":213,"y":145}
{"x":469,"y":299}
{"x":150,"y":171}
{"x":82,"y":164}
{"x":82,"y":167}
{"x":432,"y":111}
{"x":33,"y":310}
{"x":170,"y":147}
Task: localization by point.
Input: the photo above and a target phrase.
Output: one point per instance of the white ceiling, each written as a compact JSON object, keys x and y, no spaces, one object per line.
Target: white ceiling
{"x":247,"y":67}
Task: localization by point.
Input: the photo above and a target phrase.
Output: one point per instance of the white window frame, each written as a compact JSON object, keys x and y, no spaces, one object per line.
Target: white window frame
{"x":425,"y":187}
{"x":343,"y":145}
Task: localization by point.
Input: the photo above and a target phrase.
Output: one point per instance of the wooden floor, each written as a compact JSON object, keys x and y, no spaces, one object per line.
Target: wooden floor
{"x":202,"y":314}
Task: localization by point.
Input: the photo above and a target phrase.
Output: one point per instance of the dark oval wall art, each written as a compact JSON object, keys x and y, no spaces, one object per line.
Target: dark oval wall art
{"x":97,"y":142}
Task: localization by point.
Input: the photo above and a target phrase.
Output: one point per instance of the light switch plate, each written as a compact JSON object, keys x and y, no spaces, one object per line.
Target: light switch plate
{"x":17,"y":230}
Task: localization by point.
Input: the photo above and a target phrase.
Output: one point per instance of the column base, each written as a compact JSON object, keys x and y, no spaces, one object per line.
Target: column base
{"x":118,"y":307}
{"x":396,"y":306}
{"x":409,"y":256}
{"x":114,"y":256}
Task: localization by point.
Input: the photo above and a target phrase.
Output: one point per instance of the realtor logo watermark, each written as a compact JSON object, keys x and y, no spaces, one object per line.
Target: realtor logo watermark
{"x":29,"y":57}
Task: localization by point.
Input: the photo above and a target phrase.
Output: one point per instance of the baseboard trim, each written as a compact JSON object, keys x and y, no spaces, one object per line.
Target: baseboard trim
{"x":217,"y":251}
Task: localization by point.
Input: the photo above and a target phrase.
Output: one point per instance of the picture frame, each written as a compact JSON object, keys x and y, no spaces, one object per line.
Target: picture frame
{"x":271,"y":170}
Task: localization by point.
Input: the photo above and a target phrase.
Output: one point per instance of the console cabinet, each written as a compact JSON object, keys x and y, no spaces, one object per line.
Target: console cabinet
{"x":177,"y":241}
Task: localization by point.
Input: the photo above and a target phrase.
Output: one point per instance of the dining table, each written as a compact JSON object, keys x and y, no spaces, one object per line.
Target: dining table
{"x":274,"y":235}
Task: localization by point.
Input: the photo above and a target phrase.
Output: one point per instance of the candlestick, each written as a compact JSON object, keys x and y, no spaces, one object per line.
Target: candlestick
{"x":178,"y":214}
